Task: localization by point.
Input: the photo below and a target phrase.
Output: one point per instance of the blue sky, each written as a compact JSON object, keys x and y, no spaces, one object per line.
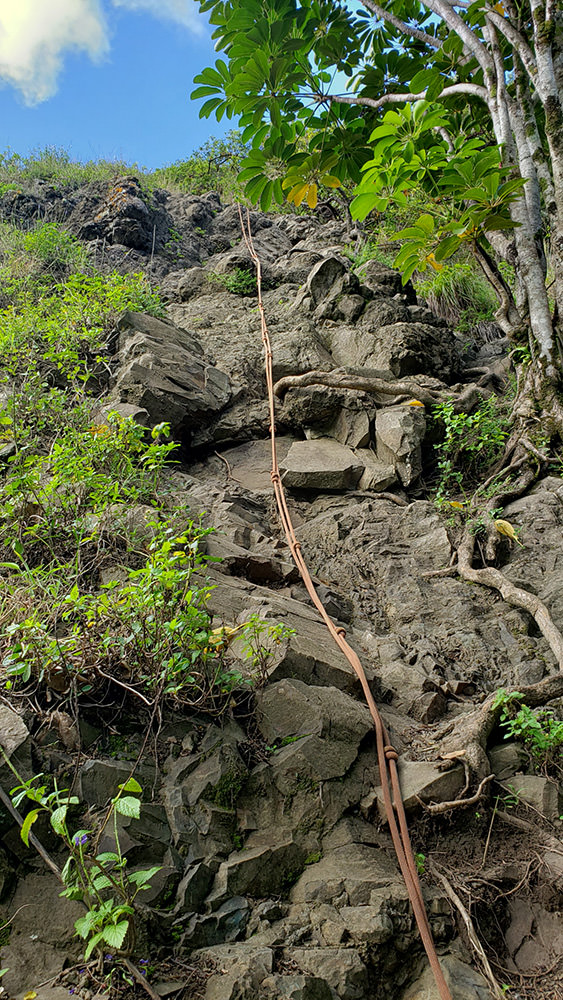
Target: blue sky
{"x":103,"y":78}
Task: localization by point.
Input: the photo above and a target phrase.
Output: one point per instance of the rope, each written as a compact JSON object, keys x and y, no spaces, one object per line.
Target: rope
{"x":386,"y":755}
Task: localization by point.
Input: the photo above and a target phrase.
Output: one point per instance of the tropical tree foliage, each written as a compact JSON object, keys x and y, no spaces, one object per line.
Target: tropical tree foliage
{"x":462,"y":98}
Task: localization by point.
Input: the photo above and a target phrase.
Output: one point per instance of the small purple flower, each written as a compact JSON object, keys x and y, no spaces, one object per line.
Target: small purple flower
{"x":143,"y":961}
{"x":108,"y":958}
{"x":72,"y":990}
{"x":79,"y":839}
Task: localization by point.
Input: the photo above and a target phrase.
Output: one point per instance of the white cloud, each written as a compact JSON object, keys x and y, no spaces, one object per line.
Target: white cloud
{"x":35,"y":34}
{"x":183,"y":11}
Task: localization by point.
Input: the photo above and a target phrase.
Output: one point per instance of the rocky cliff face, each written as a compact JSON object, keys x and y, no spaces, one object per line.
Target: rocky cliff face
{"x":278,"y":875}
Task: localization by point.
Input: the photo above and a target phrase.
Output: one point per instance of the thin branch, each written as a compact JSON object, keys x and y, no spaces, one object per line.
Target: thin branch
{"x":473,"y":89}
{"x":517,"y":41}
{"x":456,"y":24}
{"x":516,"y":596}
{"x":15,"y":813}
{"x":406,"y":29}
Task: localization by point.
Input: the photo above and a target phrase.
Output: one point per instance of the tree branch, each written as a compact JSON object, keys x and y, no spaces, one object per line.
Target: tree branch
{"x":517,"y":41}
{"x":378,"y":102}
{"x":456,"y":24}
{"x":406,"y":29}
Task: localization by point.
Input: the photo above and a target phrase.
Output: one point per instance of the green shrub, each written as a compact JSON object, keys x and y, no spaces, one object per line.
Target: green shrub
{"x":239,"y":282}
{"x":212,"y":167}
{"x":458,"y":290}
{"x":471,"y":443}
{"x":66,"y":329}
{"x":44,"y":497}
{"x":540,"y":731}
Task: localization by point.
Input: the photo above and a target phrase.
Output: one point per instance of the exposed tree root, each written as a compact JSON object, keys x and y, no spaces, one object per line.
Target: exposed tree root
{"x":436,"y":808}
{"x":427,"y":390}
{"x":469,"y":733}
{"x":472,"y":935}
{"x":488,"y":576}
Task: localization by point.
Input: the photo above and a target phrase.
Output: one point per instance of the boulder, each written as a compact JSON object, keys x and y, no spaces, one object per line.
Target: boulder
{"x":42,"y":935}
{"x":377,"y":476}
{"x":399,"y":431}
{"x":401,"y":347}
{"x":341,"y":968}
{"x":384,"y":282}
{"x":542,"y":794}
{"x":14,"y":732}
{"x":464,"y":982}
{"x":162,"y":370}
{"x":424,"y":780}
{"x":353,"y":427}
{"x":348,"y":874}
{"x":268,"y":862}
{"x":295,"y":353}
{"x":320,"y":464}
{"x":323,"y":277}
{"x":291,"y":708}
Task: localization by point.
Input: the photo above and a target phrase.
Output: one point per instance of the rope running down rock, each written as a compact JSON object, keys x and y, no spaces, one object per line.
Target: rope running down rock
{"x":386,"y":754}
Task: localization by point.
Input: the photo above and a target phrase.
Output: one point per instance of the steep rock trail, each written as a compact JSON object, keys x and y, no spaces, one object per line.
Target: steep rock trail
{"x":278,"y":876}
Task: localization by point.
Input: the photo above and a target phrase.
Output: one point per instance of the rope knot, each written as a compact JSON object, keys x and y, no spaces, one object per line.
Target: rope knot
{"x":390,"y":753}
{"x":341,"y":631}
{"x":275,"y":477}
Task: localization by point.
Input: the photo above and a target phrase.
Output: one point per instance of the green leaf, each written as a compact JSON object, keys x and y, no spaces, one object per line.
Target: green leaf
{"x":141,"y":878}
{"x":422,"y":80}
{"x":114,"y":934}
{"x":447,"y":247}
{"x":92,"y":943}
{"x":27,"y":824}
{"x":496,"y":222}
{"x":58,"y":818}
{"x":362,"y":205}
{"x":131,"y":785}
{"x":83,"y":925}
{"x":128,"y":806}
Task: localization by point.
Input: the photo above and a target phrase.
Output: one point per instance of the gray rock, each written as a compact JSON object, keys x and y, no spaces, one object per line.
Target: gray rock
{"x":542,"y":794}
{"x":295,"y":353}
{"x":506,"y":759}
{"x":403,"y":348}
{"x":127,"y":411}
{"x":291,"y":708}
{"x":100,"y":779}
{"x":384,"y":282}
{"x":321,"y":464}
{"x":383,"y":312}
{"x":14,"y":732}
{"x":341,"y":968}
{"x":42,"y":933}
{"x":162,"y":371}
{"x":349,"y":873}
{"x":225,"y":924}
{"x":316,"y":407}
{"x":348,"y":307}
{"x":377,"y":476}
{"x":323,"y":276}
{"x":464,"y":982}
{"x":296,"y":988}
{"x":423,"y":780}
{"x":352,"y":428}
{"x":399,"y":431}
{"x":269,"y":860}
{"x":296,"y":267}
